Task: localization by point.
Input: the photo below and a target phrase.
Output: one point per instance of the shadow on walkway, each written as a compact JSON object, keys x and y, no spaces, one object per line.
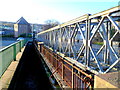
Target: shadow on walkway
{"x":30,"y":73}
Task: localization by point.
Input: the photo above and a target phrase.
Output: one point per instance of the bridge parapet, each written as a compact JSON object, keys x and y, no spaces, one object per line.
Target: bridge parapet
{"x":70,"y":74}
{"x":88,"y":40}
{"x":67,"y":73}
{"x":8,"y":54}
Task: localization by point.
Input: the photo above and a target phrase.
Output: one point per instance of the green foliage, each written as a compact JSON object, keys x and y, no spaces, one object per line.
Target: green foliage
{"x":98,"y":43}
{"x":6,"y":35}
{"x":29,"y":35}
{"x":22,"y":35}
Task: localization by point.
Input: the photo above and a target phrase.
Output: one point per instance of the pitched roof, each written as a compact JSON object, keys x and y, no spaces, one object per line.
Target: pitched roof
{"x":22,"y":21}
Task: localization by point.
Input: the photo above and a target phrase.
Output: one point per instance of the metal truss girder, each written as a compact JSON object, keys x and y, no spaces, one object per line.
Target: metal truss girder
{"x":116,"y":62}
{"x":87,"y":26}
{"x":81,"y":50}
{"x":83,"y":18}
{"x":106,"y":12}
{"x":100,"y":50}
{"x":114,"y":36}
{"x":108,"y":44}
{"x":97,"y":28}
{"x":81,"y":31}
{"x":70,"y":37}
{"x":98,"y":63}
{"x":114,"y":23}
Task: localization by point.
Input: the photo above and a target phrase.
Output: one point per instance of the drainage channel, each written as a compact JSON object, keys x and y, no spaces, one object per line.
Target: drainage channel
{"x":30,"y":73}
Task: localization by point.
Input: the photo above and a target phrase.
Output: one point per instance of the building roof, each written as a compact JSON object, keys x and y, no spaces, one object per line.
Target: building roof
{"x":22,"y":21}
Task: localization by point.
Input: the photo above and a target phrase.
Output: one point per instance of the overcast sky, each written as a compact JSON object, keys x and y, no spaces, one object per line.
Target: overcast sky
{"x":38,"y":11}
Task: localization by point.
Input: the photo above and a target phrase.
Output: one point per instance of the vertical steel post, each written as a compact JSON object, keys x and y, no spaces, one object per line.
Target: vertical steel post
{"x":14,"y":52}
{"x":89,"y":42}
{"x":69,"y":40}
{"x":109,"y":29}
{"x":87,"y":50}
{"x":73,"y":76}
{"x":46,"y":39}
{"x":20,"y":45}
{"x":56,"y":57}
{"x":86,"y":42}
{"x":60,"y":41}
{"x":53,"y":36}
{"x":49,"y":33}
{"x":62,"y":69}
{"x":106,"y":53}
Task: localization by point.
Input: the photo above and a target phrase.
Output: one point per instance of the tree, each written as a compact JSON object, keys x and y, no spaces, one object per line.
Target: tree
{"x":50,"y":23}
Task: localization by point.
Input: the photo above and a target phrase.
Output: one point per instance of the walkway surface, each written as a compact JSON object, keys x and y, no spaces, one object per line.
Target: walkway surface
{"x":7,"y":76}
{"x":30,"y":73}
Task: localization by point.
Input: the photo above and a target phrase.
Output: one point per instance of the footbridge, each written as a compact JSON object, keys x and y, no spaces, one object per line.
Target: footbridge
{"x":83,"y":53}
{"x":83,"y":47}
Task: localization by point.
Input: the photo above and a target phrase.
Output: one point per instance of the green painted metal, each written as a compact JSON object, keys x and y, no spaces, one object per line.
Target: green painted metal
{"x":20,"y":46}
{"x":17,"y":47}
{"x":14,"y":51}
{"x":7,"y":57}
{"x":8,"y":54}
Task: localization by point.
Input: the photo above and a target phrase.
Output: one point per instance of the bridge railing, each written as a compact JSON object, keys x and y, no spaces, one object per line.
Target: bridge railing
{"x":73,"y":76}
{"x":88,"y":40}
{"x":8,"y":54}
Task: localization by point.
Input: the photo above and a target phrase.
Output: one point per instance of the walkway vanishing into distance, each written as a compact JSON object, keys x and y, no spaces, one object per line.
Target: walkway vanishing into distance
{"x":72,"y":57}
{"x":30,"y":73}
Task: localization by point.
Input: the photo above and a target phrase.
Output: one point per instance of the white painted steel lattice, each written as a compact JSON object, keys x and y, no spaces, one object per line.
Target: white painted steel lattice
{"x":77,"y":39}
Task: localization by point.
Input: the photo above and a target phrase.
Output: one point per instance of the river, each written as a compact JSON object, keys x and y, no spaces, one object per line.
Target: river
{"x":6,"y":41}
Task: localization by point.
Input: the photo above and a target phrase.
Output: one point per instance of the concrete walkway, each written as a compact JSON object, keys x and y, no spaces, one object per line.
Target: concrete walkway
{"x":7,"y":76}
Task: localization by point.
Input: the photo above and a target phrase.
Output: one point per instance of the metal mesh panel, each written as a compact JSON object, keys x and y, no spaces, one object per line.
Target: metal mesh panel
{"x":18,"y":47}
{"x":7,"y":57}
{"x":8,"y":54}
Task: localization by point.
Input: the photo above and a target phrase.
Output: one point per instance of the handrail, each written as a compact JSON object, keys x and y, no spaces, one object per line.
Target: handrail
{"x":10,"y":51}
{"x":69,"y":72}
{"x":4,"y":48}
